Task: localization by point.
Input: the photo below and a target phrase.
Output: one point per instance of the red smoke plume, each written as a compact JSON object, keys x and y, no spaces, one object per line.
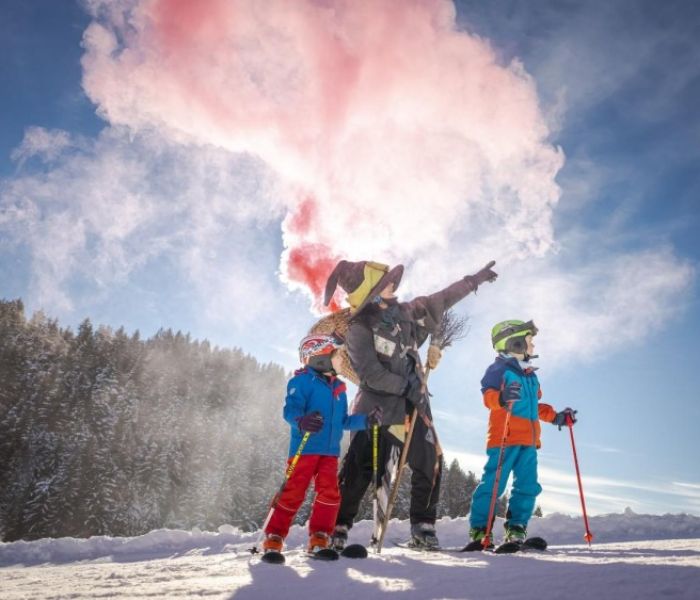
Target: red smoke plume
{"x":411,"y":141}
{"x":309,"y":264}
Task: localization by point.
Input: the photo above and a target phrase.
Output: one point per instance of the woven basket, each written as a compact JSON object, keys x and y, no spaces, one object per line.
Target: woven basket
{"x":337,"y":324}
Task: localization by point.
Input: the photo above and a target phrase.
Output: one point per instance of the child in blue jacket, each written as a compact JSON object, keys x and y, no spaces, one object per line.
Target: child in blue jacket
{"x":316,"y":403}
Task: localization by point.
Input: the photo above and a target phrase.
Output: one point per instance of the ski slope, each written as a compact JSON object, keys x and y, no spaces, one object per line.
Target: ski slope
{"x":633,"y":556}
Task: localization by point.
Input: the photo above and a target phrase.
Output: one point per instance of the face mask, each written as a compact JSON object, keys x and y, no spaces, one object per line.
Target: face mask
{"x":322,"y":364}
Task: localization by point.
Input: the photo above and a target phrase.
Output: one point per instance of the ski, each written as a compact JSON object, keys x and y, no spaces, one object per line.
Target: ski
{"x":328,"y":554}
{"x":411,"y":546}
{"x":533,"y":543}
{"x":473,"y":546}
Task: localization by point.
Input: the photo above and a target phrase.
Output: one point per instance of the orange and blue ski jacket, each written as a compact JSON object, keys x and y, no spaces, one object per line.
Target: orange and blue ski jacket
{"x":524,"y":426}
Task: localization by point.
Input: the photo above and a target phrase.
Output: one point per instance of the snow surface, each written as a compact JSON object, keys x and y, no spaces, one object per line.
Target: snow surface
{"x":633,"y":556}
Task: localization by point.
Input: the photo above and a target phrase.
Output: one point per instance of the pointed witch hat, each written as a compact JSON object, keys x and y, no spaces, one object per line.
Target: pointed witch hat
{"x":362,"y":281}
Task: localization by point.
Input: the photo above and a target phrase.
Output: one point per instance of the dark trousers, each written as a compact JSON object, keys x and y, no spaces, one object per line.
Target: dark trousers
{"x":356,"y":474}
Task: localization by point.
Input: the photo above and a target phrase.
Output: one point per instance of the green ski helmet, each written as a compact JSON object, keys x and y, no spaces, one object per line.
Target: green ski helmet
{"x":509,"y":336}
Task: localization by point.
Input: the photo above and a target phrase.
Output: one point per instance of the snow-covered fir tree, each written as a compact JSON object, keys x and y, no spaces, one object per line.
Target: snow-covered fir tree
{"x":105,"y":433}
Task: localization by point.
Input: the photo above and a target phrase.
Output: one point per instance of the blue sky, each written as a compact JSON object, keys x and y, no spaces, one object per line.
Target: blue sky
{"x":119,"y":219}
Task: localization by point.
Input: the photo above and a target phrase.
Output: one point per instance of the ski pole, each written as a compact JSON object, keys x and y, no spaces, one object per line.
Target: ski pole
{"x":486,"y":542}
{"x":287,"y":474}
{"x":588,"y":536}
{"x":375,"y":466}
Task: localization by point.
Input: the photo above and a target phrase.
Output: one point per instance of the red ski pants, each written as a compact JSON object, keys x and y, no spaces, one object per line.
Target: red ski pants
{"x":324,"y":471}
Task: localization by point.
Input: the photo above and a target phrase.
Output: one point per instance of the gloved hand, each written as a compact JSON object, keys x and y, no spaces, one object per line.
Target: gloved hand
{"x":560,"y":418}
{"x":374,"y":417}
{"x":311,"y":422}
{"x":434,"y":356}
{"x":485,"y":274}
{"x":414,"y":393}
{"x":510,"y":393}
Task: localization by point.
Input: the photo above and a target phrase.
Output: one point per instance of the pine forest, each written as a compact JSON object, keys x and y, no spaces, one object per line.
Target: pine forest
{"x":105,"y":433}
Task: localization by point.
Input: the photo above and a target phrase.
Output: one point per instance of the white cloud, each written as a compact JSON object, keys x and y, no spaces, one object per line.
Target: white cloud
{"x":99,"y":214}
{"x":46,"y":143}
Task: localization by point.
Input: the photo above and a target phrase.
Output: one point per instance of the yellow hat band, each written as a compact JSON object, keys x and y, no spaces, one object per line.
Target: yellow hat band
{"x":372,"y":275}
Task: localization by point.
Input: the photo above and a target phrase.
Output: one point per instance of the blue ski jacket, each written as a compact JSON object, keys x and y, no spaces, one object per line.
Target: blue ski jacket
{"x":309,"y":391}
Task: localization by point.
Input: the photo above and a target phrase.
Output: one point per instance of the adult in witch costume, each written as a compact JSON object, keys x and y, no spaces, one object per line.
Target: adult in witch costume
{"x":382,"y":342}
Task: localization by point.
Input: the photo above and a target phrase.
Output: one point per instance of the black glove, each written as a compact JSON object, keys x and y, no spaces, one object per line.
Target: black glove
{"x":486,"y":274}
{"x":561,"y":418}
{"x":414,"y":393}
{"x":374,"y":417}
{"x":311,"y":422}
{"x":511,"y":393}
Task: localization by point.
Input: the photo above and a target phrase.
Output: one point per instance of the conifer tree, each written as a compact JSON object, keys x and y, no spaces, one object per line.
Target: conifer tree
{"x":105,"y":433}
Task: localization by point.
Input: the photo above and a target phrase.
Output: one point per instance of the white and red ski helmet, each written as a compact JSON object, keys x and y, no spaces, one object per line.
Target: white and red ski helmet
{"x":318,"y":345}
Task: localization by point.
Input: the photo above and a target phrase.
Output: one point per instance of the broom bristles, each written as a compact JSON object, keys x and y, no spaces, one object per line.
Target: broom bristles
{"x":452,"y":328}
{"x":337,"y":324}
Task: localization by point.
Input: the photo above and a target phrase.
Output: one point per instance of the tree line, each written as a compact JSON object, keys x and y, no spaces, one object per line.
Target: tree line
{"x":105,"y":433}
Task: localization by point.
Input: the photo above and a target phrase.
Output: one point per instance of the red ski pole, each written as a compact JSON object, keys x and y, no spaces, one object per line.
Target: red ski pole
{"x":486,"y":542}
{"x":588,"y":536}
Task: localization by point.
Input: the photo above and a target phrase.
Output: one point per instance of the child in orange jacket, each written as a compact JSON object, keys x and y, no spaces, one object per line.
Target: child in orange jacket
{"x":510,"y":385}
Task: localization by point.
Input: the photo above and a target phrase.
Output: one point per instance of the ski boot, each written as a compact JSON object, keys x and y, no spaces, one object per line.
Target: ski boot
{"x":272,"y":549}
{"x":339,"y":539}
{"x":423,"y":536}
{"x":319,"y":547}
{"x":477,"y":535}
{"x":514,"y":541}
{"x":339,"y":543}
{"x":515,"y":534}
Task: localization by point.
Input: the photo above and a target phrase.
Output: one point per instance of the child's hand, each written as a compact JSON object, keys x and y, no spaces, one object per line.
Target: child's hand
{"x":510,"y":393}
{"x":562,"y":418}
{"x":311,"y":422}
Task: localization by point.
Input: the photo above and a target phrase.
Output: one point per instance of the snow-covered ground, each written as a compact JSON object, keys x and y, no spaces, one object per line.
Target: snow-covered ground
{"x":633,"y":556}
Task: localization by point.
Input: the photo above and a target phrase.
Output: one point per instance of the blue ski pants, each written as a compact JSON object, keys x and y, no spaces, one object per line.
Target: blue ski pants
{"x":522,"y":462}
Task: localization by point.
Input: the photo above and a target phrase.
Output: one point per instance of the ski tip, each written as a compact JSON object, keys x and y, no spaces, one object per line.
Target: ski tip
{"x":535,"y":543}
{"x":324,"y":554}
{"x":354,"y":551}
{"x":508,"y":548}
{"x":273,"y":558}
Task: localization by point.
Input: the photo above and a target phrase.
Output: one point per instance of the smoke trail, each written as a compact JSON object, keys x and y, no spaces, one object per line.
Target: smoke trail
{"x":398,"y":134}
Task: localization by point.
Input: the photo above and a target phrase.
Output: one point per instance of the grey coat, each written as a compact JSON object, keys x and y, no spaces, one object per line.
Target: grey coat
{"x":383,"y":347}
